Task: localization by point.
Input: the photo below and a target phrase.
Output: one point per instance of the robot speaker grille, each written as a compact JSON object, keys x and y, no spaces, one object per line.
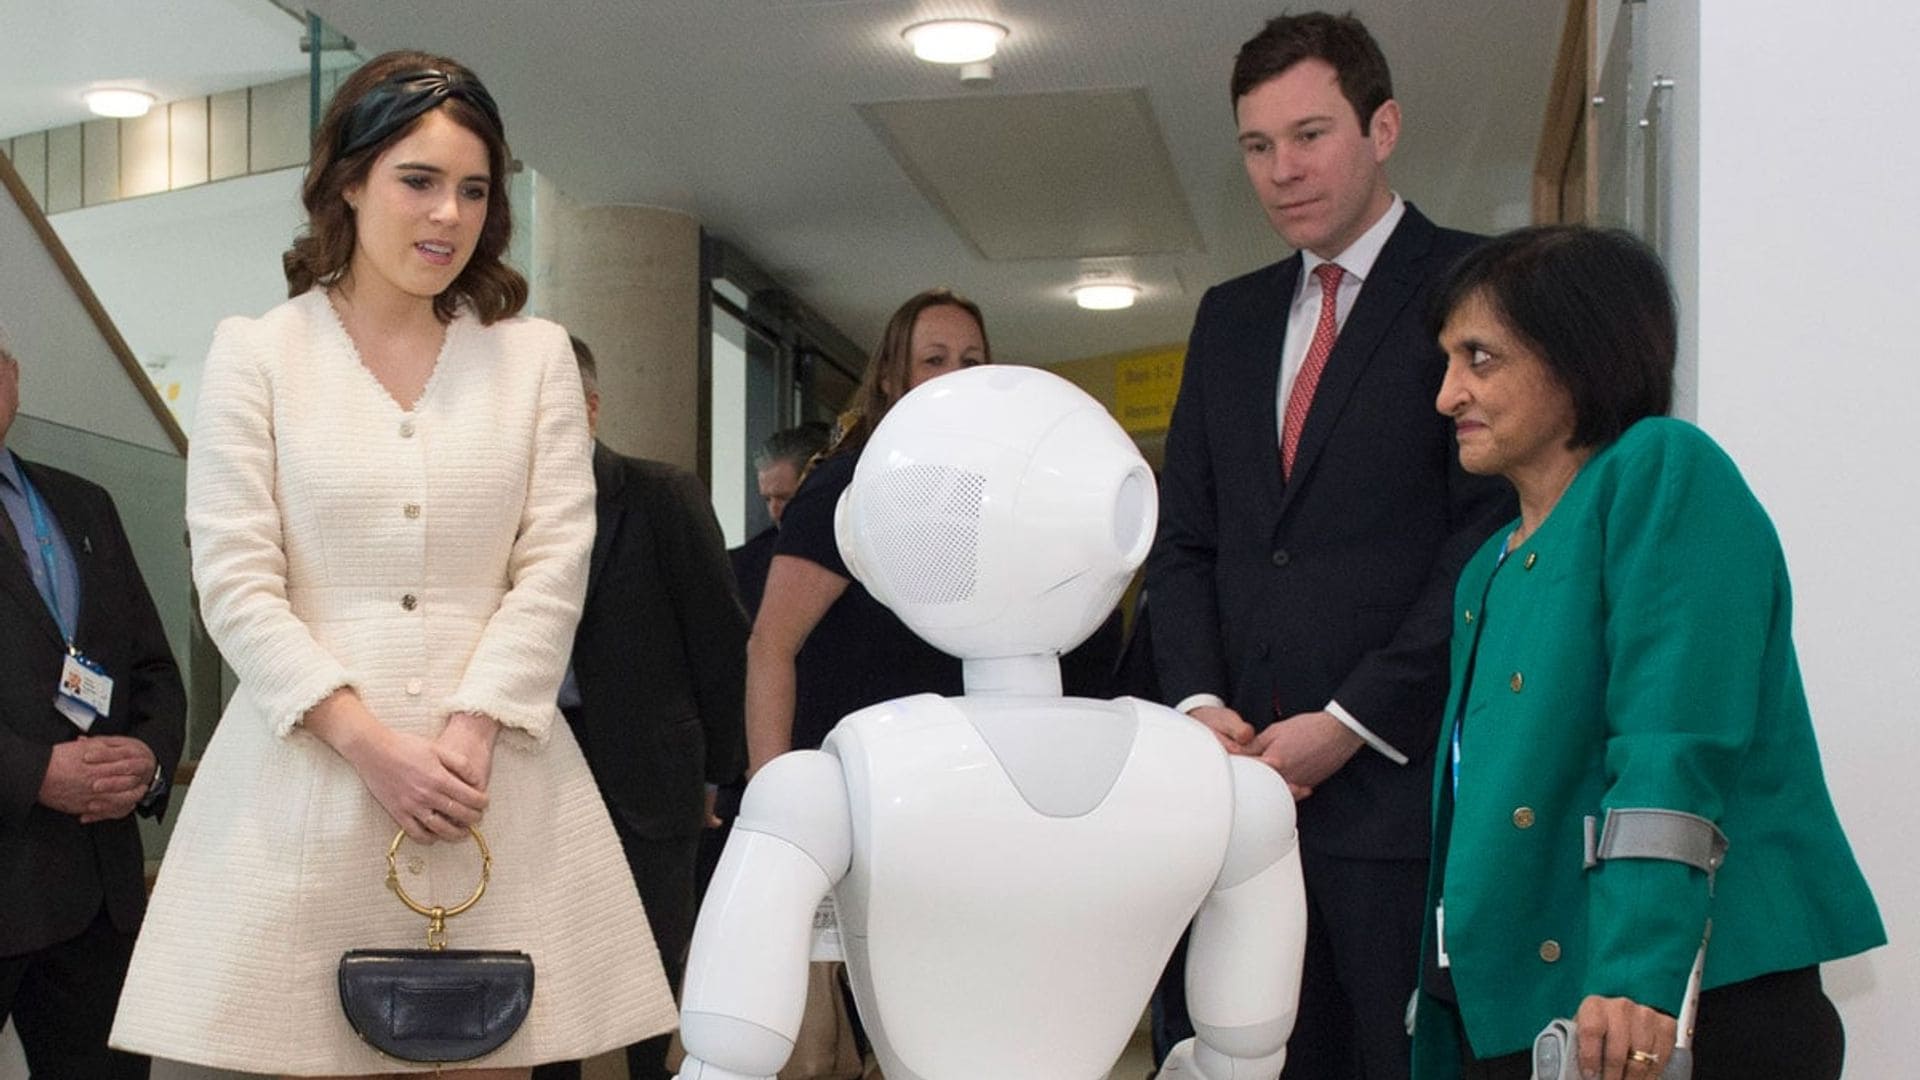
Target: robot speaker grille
{"x":923,"y":525}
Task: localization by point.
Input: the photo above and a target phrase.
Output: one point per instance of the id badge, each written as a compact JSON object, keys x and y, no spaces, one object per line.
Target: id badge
{"x":85,"y":692}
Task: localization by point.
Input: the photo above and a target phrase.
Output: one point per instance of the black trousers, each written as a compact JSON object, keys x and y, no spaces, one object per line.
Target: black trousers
{"x":1781,"y":1026}
{"x":1362,"y":963}
{"x":62,"y":999}
{"x":663,"y":870}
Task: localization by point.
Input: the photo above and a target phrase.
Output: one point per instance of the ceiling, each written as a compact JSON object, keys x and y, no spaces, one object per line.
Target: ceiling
{"x":805,"y":133}
{"x":53,"y":50}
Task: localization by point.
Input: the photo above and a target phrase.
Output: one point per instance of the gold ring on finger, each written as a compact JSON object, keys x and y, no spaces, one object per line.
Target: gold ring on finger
{"x":1643,"y":1057}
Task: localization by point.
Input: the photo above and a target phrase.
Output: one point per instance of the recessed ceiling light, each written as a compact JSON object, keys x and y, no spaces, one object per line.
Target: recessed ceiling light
{"x":955,"y":41}
{"x":1105,"y":296}
{"x":116,"y":102}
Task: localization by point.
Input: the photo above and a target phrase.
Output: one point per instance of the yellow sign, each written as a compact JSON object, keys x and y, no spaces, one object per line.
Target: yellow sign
{"x":1144,"y":386}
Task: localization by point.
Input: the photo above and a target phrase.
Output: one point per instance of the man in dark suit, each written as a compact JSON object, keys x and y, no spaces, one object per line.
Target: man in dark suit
{"x":656,"y":687}
{"x":1313,"y":520}
{"x":79,"y":756}
{"x":778,"y":467}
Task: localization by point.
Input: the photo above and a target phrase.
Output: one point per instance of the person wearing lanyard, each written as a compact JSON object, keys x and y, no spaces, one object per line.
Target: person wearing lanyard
{"x":1629,"y":761}
{"x":92,"y":718}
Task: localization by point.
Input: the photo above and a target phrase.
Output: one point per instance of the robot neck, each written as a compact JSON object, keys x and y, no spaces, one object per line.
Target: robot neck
{"x":1037,"y":675}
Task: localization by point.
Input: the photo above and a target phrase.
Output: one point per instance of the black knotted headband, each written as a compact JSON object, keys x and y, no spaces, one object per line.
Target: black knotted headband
{"x":403,"y":98}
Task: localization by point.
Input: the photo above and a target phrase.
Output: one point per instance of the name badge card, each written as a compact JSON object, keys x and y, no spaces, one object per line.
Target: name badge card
{"x":85,"y":692}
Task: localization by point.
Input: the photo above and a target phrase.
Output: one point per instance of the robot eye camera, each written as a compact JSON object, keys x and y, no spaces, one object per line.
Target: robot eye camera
{"x":998,"y":511}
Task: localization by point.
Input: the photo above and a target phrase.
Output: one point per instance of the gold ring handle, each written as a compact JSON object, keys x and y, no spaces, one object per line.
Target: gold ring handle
{"x":436,"y":914}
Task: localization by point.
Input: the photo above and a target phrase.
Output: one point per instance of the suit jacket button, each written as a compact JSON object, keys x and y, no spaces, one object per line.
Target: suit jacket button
{"x":1281,"y":558}
{"x":409,"y":602}
{"x":1514,"y":684}
{"x":1550,"y":951}
{"x":406,"y":429}
{"x":1523,"y":817}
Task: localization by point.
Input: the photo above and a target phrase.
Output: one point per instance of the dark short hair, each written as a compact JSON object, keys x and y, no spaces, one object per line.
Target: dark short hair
{"x":1342,"y":41}
{"x":583,"y":359}
{"x":1595,"y":304}
{"x":794,"y":445}
{"x":892,"y":363}
{"x":324,"y":250}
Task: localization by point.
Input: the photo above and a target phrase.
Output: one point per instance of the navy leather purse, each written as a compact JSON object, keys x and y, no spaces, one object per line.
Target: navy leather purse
{"x":436,"y":1004}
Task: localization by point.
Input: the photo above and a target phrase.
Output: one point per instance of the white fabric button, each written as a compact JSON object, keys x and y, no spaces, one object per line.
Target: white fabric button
{"x":413,"y":687}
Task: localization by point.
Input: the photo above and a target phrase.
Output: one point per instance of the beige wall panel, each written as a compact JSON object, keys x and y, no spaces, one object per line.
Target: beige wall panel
{"x":227,"y":135}
{"x":279,"y":125}
{"x":63,"y":169}
{"x":187,"y":152}
{"x":30,"y":161}
{"x":143,"y":154}
{"x":99,"y":161}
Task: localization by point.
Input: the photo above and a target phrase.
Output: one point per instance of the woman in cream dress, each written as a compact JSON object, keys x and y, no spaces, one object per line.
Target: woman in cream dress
{"x":391,"y":505}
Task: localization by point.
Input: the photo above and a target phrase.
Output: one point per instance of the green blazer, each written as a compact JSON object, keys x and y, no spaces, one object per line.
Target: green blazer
{"x":1635,"y":651}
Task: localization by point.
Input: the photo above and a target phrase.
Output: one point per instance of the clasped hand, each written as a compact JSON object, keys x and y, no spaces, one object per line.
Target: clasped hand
{"x":1304,"y":749}
{"x":97,"y":777}
{"x":434,"y":789}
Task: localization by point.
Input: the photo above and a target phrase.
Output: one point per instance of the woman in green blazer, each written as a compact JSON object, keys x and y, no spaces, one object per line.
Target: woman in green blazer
{"x":1624,"y":647}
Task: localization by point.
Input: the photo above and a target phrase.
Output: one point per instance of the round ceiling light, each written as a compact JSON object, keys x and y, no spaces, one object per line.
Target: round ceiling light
{"x":1105,"y":296}
{"x":955,"y":41}
{"x":118,"y":102}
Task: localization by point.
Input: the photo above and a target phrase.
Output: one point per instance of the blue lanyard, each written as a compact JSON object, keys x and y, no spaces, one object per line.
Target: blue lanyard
{"x":1506,"y":547}
{"x":43,"y":535}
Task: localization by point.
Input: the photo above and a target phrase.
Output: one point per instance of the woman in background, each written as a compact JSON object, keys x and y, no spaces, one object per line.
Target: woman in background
{"x":1622,"y":655}
{"x":822,"y":646}
{"x":391,"y":505}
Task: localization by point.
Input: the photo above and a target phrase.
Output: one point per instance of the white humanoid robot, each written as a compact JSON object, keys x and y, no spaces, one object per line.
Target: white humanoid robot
{"x":1011,"y":867}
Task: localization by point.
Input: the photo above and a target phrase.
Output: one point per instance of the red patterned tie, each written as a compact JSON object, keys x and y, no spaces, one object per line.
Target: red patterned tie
{"x":1300,"y":398}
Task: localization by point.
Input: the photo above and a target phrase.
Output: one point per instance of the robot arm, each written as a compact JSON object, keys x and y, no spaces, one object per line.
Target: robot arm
{"x":1248,"y":941}
{"x":746,"y":981}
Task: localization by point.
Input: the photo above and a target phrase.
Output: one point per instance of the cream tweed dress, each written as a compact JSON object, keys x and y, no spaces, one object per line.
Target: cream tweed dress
{"x":435,"y":561}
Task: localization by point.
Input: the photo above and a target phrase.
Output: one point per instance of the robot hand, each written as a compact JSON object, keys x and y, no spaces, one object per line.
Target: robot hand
{"x":1179,"y":1064}
{"x":695,"y":1069}
{"x":1191,"y":1060}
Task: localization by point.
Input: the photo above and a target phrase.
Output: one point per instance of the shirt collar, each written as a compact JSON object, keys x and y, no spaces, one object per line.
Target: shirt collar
{"x":10,"y":470}
{"x":1357,"y":261}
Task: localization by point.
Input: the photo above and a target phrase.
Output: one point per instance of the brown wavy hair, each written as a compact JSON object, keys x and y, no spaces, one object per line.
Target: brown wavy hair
{"x":322,"y":254}
{"x":885,"y":380}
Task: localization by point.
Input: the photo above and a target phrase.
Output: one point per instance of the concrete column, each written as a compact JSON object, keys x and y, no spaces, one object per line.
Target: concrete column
{"x":626,"y":279}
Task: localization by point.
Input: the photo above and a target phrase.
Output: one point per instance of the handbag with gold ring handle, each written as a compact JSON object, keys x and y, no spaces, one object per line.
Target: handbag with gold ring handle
{"x":436,"y":1004}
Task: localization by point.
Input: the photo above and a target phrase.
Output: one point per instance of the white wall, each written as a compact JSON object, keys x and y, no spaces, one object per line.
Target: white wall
{"x":169,"y":267}
{"x":1809,"y":337}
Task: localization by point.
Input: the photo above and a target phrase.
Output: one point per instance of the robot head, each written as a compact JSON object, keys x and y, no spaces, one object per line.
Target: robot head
{"x":999,"y":511}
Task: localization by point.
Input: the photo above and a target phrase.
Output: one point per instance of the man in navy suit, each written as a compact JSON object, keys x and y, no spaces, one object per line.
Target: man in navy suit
{"x":92,"y":717}
{"x":1314,"y":517}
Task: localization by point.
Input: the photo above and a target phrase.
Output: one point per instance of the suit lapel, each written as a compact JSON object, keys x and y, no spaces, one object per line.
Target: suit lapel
{"x":1257,"y":413}
{"x":16,"y":579}
{"x":608,"y":479}
{"x":1392,"y":284}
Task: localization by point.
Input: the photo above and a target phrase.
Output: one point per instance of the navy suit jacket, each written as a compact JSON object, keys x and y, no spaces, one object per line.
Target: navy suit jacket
{"x":660,"y":656}
{"x":55,"y":873}
{"x":1336,"y":585}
